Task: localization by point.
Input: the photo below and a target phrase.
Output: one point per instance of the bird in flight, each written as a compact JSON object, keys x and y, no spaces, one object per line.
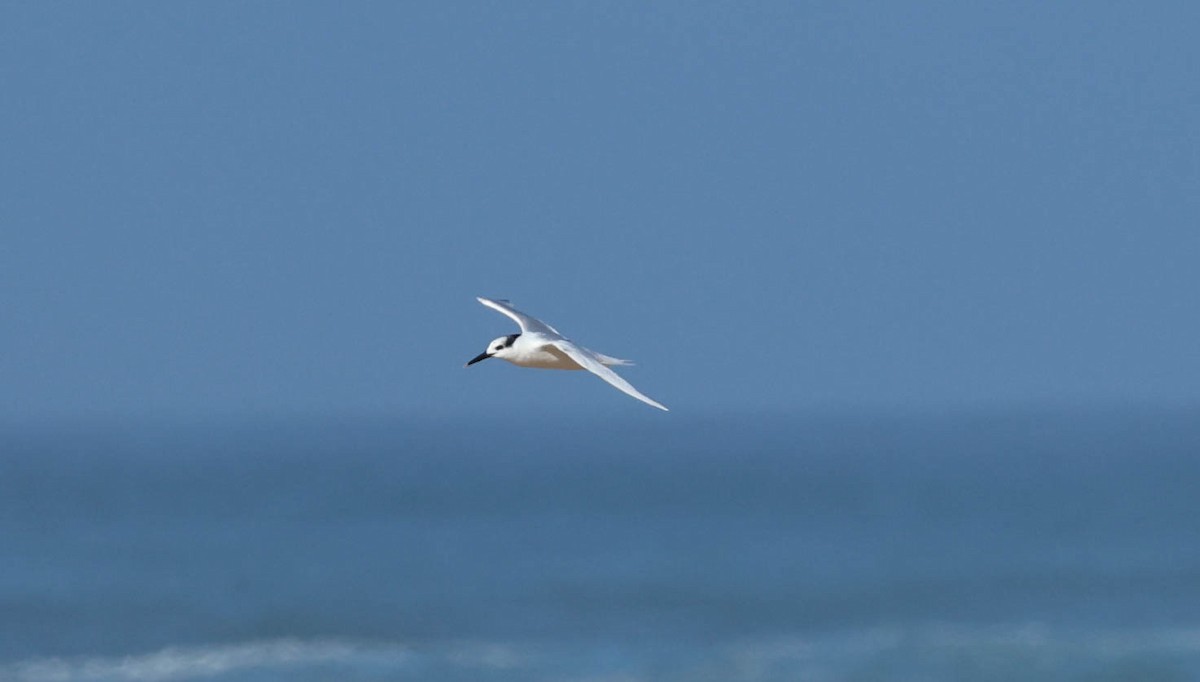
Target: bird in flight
{"x":540,"y":345}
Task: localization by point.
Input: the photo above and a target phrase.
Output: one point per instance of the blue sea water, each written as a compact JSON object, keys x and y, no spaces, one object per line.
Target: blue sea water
{"x":1014,"y":546}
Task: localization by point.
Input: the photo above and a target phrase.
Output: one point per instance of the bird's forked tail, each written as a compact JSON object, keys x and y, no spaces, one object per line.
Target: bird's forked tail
{"x":613,"y":362}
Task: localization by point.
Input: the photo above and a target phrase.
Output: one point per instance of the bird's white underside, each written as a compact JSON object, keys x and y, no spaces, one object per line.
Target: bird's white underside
{"x":545,"y":356}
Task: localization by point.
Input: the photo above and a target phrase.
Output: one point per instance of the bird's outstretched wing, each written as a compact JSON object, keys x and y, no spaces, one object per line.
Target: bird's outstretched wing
{"x":527,"y":323}
{"x":588,"y":360}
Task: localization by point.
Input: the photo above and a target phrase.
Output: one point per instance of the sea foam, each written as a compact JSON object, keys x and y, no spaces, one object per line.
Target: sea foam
{"x":931,"y":652}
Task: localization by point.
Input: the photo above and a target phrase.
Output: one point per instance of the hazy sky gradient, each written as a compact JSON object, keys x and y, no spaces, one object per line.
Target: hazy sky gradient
{"x":276,"y":208}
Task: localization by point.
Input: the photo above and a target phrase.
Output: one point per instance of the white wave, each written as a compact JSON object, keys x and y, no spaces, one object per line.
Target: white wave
{"x":930,"y":651}
{"x":184,"y":663}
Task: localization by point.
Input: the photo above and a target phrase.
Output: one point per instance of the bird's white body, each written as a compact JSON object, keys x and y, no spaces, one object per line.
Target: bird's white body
{"x":541,"y":346}
{"x":534,"y":351}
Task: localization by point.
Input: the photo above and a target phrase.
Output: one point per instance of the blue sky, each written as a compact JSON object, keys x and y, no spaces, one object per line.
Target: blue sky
{"x":272,"y":209}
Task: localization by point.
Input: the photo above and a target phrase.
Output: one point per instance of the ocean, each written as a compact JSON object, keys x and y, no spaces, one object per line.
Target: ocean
{"x":1018,"y":545}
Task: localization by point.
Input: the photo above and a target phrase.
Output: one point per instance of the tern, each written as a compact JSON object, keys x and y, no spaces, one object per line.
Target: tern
{"x":540,"y":345}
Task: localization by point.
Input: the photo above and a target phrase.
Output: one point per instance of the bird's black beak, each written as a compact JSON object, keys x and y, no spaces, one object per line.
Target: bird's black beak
{"x":477,"y":358}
